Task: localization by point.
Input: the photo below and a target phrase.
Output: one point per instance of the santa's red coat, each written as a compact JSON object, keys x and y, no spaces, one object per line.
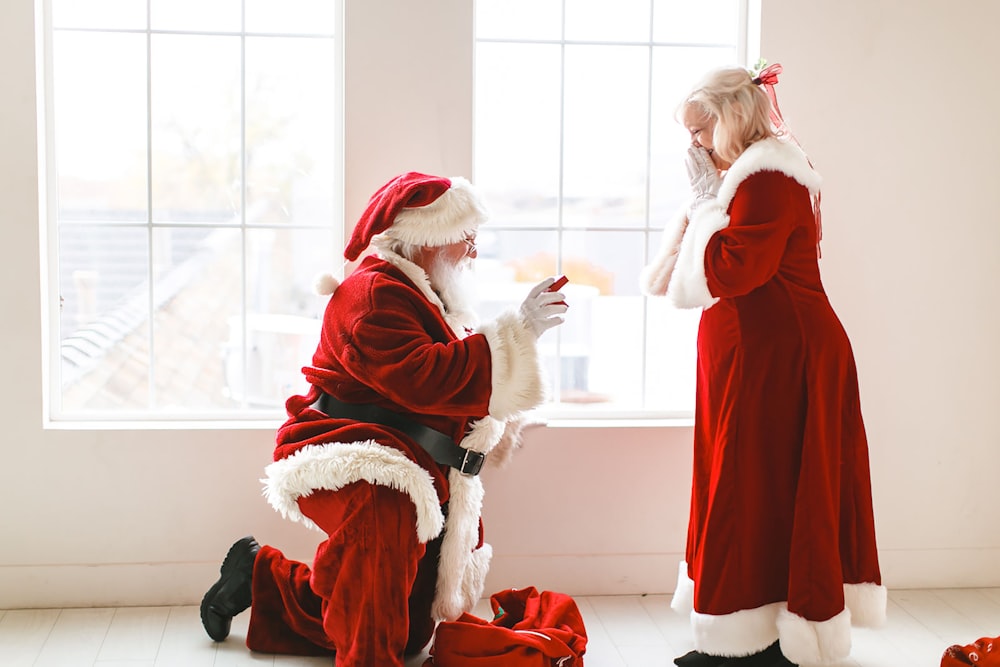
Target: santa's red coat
{"x":387,"y":339}
{"x":781,"y":539}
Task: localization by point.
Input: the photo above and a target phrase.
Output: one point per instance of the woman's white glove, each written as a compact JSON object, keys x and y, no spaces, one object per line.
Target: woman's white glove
{"x":542,"y":309}
{"x":704,"y":177}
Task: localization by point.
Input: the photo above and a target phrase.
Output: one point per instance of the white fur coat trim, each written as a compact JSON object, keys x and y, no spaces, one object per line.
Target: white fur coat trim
{"x":802,"y":641}
{"x":333,"y":466}
{"x":459,"y":321}
{"x":462,"y":569}
{"x":688,"y":286}
{"x":517,"y":383}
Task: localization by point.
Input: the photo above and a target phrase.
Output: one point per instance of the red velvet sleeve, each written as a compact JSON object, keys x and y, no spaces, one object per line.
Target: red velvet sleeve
{"x":762,"y":215}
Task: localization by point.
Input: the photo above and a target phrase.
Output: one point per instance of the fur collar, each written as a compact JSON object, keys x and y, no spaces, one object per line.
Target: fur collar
{"x":769,"y":155}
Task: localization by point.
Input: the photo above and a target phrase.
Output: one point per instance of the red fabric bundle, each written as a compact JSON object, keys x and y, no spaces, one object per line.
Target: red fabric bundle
{"x":529,"y":629}
{"x":985,"y":652}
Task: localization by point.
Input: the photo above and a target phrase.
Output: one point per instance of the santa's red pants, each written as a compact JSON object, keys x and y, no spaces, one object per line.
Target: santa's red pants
{"x":368,"y":594}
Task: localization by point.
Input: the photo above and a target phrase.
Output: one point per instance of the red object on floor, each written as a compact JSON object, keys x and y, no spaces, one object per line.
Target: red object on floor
{"x":985,"y":652}
{"x":529,"y":629}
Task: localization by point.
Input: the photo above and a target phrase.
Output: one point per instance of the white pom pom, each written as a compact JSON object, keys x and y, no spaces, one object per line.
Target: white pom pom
{"x":326,"y":284}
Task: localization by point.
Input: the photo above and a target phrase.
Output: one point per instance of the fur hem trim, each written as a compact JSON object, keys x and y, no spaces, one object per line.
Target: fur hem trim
{"x":655,"y":277}
{"x":333,"y":466}
{"x":814,"y":642}
{"x":683,"y":599}
{"x":802,"y":641}
{"x":518,"y":383}
{"x":447,"y":219}
{"x":738,"y":634}
{"x":688,"y":285}
{"x":461,"y":568}
{"x":867,"y":603}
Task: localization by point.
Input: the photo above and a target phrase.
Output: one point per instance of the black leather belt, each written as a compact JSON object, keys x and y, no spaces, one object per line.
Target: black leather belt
{"x":441,"y":447}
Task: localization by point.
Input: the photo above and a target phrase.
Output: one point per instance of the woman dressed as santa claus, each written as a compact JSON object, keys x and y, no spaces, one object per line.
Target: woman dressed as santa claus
{"x":781,"y":557}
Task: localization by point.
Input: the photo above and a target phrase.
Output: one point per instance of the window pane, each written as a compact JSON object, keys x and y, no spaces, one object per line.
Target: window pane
{"x":518,"y":115}
{"x":606,"y":140}
{"x":104,"y":315}
{"x":197,"y":172}
{"x":600,"y":20}
{"x":506,"y":19}
{"x":100,"y":125}
{"x":196,"y":15}
{"x":283,"y":312}
{"x":196,"y":280}
{"x":670,"y":356}
{"x":616,"y":360}
{"x":291,"y":16}
{"x":700,"y":21}
{"x":291,"y":146}
{"x":507,"y":257}
{"x":105,"y":14}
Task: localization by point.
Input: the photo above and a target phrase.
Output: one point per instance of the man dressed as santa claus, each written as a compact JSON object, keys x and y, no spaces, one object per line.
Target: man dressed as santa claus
{"x":382,"y":454}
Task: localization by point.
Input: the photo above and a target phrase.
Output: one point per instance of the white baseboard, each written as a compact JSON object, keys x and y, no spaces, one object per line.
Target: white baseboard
{"x":169,"y":584}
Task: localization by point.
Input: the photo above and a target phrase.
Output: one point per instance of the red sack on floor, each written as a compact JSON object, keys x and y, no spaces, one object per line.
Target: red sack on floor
{"x":528,"y":630}
{"x":985,"y":652}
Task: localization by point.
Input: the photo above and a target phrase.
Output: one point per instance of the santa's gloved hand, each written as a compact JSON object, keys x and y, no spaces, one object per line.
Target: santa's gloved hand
{"x":704,"y":177}
{"x":542,"y":309}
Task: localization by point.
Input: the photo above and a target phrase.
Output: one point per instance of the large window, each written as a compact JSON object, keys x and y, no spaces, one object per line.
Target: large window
{"x":581,"y":160}
{"x":194,"y":158}
{"x":193,"y":171}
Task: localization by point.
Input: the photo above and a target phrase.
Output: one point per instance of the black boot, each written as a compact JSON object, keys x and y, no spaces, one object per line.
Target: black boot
{"x":769,"y":657}
{"x":699,"y":659}
{"x":231,"y":593}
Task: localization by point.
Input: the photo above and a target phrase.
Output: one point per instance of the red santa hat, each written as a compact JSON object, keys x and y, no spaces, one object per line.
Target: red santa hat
{"x":416,"y":209}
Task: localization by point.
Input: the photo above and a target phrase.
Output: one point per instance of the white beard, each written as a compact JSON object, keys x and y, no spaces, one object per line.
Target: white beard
{"x":455,"y":285}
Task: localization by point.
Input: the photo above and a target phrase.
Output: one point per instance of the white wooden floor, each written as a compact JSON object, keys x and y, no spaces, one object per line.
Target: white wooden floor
{"x":624,"y":631}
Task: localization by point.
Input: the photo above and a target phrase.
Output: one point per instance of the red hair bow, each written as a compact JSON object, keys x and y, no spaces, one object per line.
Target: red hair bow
{"x":768,"y":76}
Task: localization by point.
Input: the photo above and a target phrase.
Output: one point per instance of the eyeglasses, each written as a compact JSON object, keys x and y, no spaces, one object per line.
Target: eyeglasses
{"x":470,"y":244}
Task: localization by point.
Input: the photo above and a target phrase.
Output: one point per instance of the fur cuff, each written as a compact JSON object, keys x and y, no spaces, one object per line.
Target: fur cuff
{"x":511,"y":440}
{"x":814,"y":642}
{"x":688,"y":285}
{"x":655,"y":277}
{"x":517,"y":372}
{"x":683,"y":600}
{"x":335,"y":465}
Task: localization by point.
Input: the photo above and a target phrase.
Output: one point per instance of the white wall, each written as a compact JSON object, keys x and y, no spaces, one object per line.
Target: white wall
{"x":896,"y":102}
{"x":142,"y":517}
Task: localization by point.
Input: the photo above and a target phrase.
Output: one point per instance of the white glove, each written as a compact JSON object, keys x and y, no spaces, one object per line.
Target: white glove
{"x":541,"y":309}
{"x":704,"y":177}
